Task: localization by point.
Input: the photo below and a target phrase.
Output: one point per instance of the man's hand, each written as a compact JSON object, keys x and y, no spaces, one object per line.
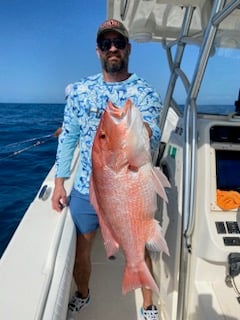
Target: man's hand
{"x":59,"y":198}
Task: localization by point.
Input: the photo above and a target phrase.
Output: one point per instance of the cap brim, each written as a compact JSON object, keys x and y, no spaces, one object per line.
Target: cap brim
{"x":122,"y":33}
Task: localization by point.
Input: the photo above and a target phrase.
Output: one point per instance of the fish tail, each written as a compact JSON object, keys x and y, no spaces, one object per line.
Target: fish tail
{"x":138,"y":277}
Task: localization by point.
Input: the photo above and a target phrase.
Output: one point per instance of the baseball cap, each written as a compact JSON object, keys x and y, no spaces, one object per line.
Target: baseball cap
{"x":112,"y":25}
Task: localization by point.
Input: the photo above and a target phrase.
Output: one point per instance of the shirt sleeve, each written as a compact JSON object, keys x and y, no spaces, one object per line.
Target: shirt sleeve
{"x":67,"y":140}
{"x":151,"y":108}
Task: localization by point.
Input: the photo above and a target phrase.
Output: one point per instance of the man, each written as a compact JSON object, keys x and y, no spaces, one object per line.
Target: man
{"x":85,"y":105}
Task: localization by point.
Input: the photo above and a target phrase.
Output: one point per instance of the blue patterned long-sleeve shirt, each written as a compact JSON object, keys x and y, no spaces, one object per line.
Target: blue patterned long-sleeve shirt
{"x":85,"y":105}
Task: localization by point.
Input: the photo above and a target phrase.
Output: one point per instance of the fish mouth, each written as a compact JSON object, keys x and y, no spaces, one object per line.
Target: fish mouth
{"x":119,"y":113}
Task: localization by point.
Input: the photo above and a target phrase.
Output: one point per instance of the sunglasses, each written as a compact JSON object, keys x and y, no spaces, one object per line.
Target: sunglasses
{"x":105,"y":44}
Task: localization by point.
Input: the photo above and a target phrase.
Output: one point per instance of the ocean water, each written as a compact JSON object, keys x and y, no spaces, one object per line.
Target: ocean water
{"x":27,"y":153}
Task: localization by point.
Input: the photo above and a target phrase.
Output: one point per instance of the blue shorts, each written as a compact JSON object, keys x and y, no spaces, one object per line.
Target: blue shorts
{"x":83,"y":214}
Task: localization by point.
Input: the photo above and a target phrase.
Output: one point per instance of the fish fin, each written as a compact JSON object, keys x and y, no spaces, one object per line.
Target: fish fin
{"x":110,"y":243}
{"x":162,"y":177}
{"x":138,"y":277}
{"x":157,"y":241}
{"x":160,"y":181}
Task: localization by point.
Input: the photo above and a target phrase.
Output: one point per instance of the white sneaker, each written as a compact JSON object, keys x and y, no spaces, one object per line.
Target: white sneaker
{"x":78,"y":303}
{"x":151,"y":313}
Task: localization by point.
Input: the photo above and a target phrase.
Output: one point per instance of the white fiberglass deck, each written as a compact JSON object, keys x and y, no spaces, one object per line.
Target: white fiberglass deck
{"x":107,"y":301}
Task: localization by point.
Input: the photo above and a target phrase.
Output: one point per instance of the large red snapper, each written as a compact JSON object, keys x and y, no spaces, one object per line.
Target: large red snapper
{"x":123,"y":190}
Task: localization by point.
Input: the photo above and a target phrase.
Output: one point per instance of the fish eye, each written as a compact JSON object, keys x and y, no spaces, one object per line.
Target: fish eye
{"x":102,"y":136}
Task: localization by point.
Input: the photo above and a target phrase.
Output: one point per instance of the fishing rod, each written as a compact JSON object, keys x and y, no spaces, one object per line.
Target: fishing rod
{"x":37,"y":141}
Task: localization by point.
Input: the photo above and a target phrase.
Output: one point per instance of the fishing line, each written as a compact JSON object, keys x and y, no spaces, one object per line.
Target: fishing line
{"x":18,"y":143}
{"x":37,"y":143}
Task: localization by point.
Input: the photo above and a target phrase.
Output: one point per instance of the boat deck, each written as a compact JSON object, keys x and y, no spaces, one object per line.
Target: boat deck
{"x":107,"y":301}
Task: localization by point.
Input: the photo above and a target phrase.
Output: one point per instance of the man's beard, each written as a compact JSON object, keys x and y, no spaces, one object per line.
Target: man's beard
{"x":115,"y":66}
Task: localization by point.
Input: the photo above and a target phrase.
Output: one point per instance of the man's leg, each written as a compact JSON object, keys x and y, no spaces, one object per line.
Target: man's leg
{"x":82,"y":266}
{"x":147,"y":293}
{"x":82,"y":272}
{"x":149,"y":310}
{"x":86,"y":222}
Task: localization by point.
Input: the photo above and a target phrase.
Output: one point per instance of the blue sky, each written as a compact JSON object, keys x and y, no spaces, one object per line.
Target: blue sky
{"x":47,"y":44}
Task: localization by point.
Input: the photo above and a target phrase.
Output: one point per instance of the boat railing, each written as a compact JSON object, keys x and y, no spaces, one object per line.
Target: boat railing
{"x":220,"y":11}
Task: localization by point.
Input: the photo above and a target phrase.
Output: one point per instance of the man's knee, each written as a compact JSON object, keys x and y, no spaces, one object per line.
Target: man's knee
{"x":84,"y":241}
